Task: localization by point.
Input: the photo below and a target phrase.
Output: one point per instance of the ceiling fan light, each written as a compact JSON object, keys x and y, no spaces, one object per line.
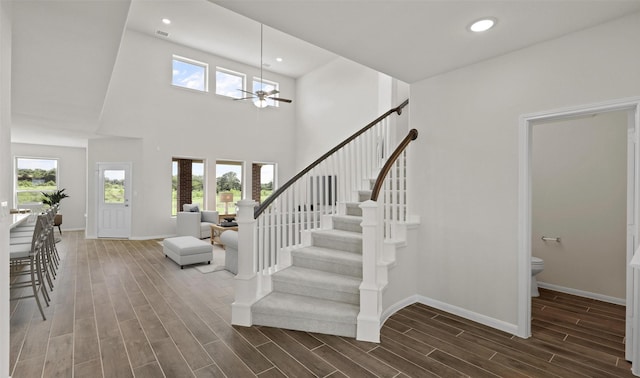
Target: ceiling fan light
{"x":260,"y":103}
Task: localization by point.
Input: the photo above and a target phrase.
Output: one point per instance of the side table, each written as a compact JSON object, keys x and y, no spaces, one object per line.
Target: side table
{"x":217,"y":230}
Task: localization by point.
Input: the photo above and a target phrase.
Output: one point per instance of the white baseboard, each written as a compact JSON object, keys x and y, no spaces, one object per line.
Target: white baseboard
{"x":474,"y":316}
{"x":151,"y":237}
{"x":478,"y":318}
{"x":397,"y":307}
{"x":581,"y":293}
{"x":72,"y":229}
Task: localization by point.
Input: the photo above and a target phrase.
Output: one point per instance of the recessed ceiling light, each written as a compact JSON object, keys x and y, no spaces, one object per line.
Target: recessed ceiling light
{"x":278,"y":59}
{"x":166,"y":21}
{"x":482,"y":25}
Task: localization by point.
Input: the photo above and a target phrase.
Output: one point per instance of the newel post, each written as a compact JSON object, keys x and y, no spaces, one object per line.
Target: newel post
{"x":246,"y":287}
{"x":370,"y":294}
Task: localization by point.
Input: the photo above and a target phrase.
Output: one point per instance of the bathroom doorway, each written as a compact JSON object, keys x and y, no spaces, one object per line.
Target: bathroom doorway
{"x":628,"y":110}
{"x":579,"y":204}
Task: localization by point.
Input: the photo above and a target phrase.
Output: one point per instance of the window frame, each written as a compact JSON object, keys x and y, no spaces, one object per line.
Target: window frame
{"x":16,"y":191}
{"x":241,"y":75}
{"x":192,"y":62}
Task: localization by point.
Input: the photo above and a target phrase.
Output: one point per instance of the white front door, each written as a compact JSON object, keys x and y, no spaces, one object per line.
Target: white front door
{"x":114,"y":205}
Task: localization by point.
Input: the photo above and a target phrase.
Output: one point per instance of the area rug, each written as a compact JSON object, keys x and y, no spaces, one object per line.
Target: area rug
{"x":217,"y":264}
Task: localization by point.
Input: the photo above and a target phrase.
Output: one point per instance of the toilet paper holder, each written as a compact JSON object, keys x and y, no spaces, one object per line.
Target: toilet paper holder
{"x":549,"y":238}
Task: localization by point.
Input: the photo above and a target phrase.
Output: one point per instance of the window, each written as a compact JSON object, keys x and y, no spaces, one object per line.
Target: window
{"x":34,"y":176}
{"x":228,"y":180}
{"x":113,"y":186}
{"x":266,"y":86}
{"x":229,"y":83}
{"x":188,"y":73}
{"x":187,"y":183}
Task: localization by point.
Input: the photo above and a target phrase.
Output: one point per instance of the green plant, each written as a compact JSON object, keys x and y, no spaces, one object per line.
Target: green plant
{"x":53,"y":198}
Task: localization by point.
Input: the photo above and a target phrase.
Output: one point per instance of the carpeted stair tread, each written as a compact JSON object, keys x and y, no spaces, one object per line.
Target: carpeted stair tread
{"x":338,"y":239}
{"x":353,"y":208}
{"x":317,"y":284}
{"x":364,"y":195}
{"x":313,"y":308}
{"x":328,"y":260}
{"x":351,"y":223}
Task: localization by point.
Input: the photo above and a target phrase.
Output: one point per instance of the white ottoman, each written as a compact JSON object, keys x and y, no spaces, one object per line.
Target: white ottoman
{"x":186,"y":250}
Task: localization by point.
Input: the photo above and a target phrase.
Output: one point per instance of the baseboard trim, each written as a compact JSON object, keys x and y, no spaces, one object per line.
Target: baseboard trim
{"x":397,"y":307}
{"x":151,"y":237}
{"x":582,"y":293}
{"x":474,"y":316}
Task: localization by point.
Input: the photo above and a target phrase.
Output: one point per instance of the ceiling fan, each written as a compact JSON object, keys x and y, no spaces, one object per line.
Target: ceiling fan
{"x":261,"y":96}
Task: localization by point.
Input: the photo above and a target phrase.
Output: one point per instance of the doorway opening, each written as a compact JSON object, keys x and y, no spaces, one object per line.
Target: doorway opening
{"x":527,"y":123}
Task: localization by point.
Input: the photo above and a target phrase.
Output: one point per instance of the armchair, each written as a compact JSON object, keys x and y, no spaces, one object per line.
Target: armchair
{"x":195,"y":223}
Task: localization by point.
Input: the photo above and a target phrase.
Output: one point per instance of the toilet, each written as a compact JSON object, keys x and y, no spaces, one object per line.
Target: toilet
{"x":537,"y":266}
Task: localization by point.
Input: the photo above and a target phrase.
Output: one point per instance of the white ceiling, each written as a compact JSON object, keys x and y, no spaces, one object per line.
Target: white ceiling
{"x":207,"y":27}
{"x":64,"y":51}
{"x":415,"y":39}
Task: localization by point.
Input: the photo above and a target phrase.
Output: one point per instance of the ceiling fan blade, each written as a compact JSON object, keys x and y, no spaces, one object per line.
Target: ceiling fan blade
{"x":244,"y":98}
{"x":272,"y":92}
{"x":281,"y":99}
{"x":242,"y":90}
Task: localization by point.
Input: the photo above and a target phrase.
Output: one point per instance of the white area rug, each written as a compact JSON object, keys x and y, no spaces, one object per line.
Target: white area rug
{"x":216,"y":264}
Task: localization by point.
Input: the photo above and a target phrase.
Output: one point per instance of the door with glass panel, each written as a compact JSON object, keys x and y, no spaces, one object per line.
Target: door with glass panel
{"x":114,"y":205}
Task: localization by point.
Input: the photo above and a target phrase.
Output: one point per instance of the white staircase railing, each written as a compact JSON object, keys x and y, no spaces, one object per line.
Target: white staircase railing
{"x":266,"y":234}
{"x":381,"y":215}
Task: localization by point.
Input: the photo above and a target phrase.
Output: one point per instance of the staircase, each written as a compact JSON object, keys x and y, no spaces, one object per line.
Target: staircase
{"x":315,"y":256}
{"x":320,"y":291}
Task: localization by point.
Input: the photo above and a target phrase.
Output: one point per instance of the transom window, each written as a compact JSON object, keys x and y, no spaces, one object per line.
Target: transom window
{"x":33,"y":177}
{"x":189,"y":73}
{"x":230,"y":83}
{"x":266,"y":85}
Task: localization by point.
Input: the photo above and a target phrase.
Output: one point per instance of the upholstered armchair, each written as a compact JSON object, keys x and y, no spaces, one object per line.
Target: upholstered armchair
{"x":193,"y":222}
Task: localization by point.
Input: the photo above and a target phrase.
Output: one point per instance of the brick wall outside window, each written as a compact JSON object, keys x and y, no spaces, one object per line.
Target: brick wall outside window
{"x":255,"y":182}
{"x":184,"y":182}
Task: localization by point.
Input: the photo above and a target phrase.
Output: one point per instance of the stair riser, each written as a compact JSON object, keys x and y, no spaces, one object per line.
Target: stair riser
{"x":353,"y":245}
{"x":308,"y":325}
{"x":315,"y":291}
{"x":337,"y":267}
{"x":351,"y":226}
{"x":354,"y":210}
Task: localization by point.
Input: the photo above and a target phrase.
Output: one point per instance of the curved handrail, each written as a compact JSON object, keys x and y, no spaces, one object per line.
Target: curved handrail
{"x":295,"y":178}
{"x":412,"y":135}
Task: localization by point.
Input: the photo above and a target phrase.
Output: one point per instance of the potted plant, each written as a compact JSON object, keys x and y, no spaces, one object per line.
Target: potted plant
{"x":52,"y":199}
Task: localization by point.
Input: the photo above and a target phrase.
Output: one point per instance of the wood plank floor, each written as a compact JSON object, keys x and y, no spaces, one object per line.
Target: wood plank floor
{"x":120,"y":309}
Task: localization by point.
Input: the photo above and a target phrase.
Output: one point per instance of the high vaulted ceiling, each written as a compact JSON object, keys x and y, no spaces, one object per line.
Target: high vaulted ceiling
{"x":64,"y":51}
{"x":415,"y":39}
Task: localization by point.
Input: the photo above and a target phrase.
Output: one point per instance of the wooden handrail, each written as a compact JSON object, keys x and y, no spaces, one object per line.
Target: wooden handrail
{"x":259,"y":210}
{"x":413,"y":135}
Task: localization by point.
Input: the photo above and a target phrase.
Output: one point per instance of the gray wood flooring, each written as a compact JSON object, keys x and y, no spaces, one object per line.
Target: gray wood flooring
{"x":120,"y":309}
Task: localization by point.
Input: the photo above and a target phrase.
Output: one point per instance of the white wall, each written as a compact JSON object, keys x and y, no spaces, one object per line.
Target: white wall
{"x":177,"y":122}
{"x":334,"y":101}
{"x":579,"y":186}
{"x":466,"y":158}
{"x":72,"y":176}
{"x":6,"y":188}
